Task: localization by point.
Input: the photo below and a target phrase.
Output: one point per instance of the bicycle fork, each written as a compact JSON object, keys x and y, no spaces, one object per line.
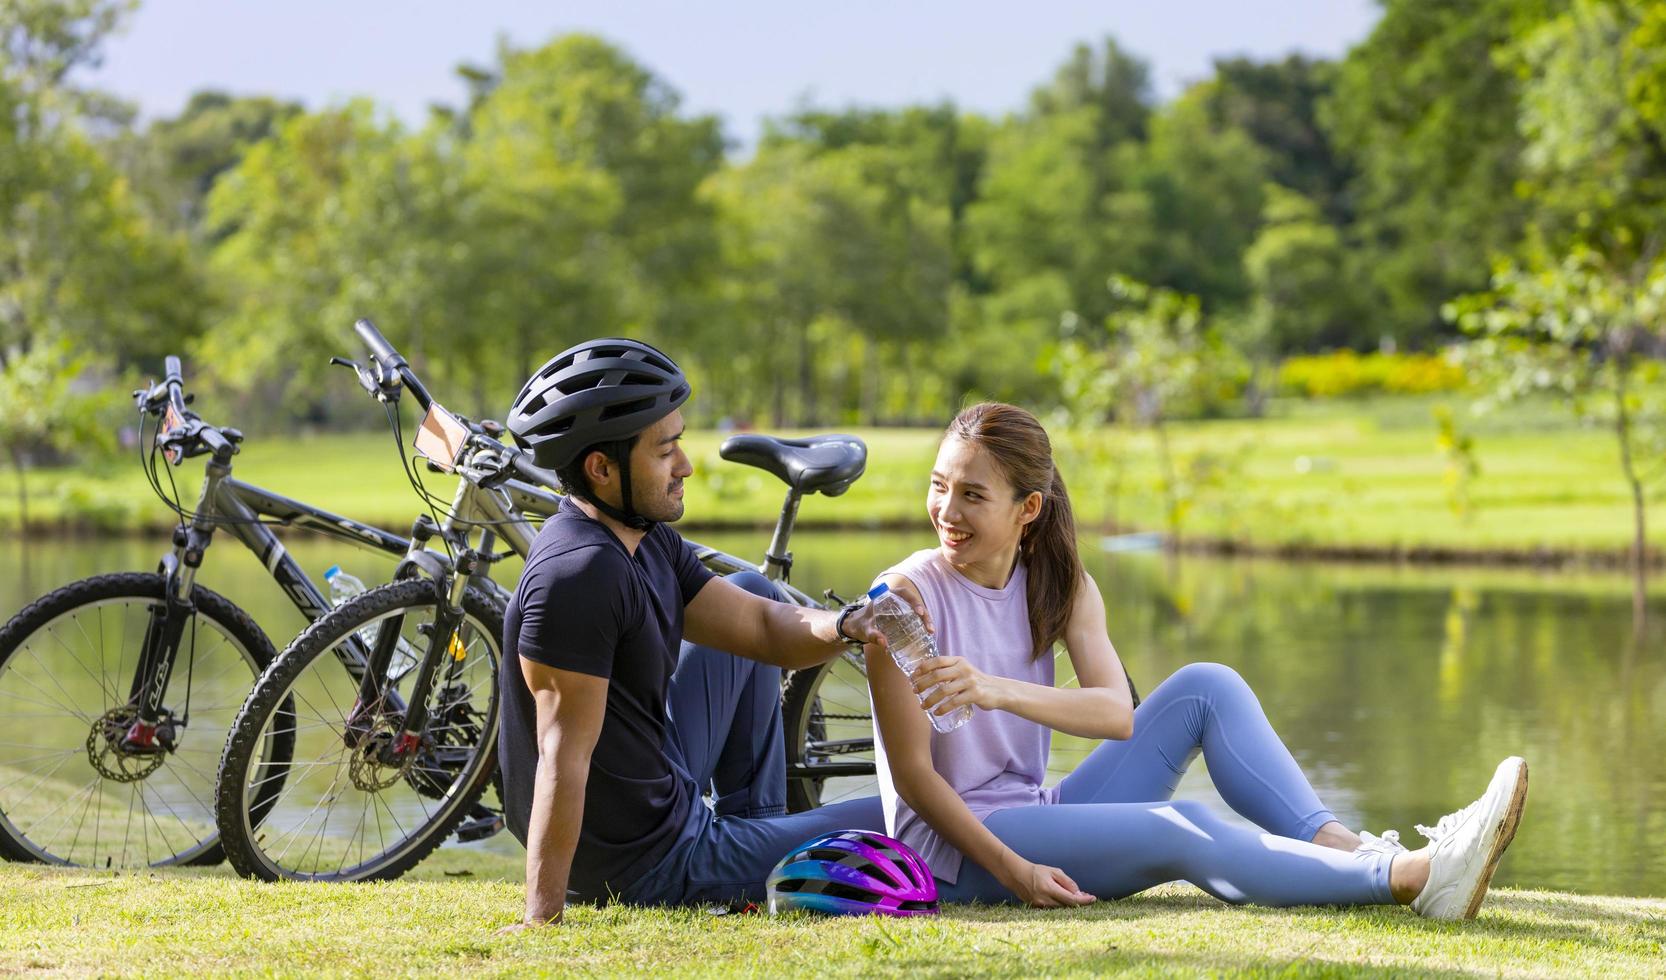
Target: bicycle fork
{"x":444,"y":649}
{"x":152,"y":728}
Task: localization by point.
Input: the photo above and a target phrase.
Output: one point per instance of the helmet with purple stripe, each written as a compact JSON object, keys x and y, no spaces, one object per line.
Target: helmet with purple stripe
{"x":853,"y":872}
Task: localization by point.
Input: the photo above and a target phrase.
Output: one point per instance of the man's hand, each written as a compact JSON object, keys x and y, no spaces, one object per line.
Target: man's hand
{"x":860,"y":624}
{"x":527,"y":926}
{"x":956,"y":683}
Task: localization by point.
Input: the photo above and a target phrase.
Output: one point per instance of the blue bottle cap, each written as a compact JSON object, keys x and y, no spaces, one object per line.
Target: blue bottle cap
{"x":878,"y":591}
{"x":332,"y":572}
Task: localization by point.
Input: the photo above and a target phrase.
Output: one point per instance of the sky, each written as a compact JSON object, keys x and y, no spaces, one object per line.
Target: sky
{"x":741,"y":59}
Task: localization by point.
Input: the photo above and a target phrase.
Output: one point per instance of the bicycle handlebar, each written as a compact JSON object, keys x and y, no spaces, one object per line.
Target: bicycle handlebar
{"x":170,"y":370}
{"x":390,"y":362}
{"x":531,"y":472}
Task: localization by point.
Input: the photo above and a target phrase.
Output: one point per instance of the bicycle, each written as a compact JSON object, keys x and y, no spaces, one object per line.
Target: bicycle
{"x":65,"y":661}
{"x":374,"y":735}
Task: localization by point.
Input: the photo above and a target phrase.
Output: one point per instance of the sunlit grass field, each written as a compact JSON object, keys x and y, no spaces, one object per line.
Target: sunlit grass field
{"x":1341,"y":474}
{"x":443,"y":920}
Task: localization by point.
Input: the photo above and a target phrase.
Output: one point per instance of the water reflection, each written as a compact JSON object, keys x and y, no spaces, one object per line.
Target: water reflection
{"x":1397,"y":690}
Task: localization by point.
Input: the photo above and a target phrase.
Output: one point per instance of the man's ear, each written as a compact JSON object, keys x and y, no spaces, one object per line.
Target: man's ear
{"x":598,"y":467}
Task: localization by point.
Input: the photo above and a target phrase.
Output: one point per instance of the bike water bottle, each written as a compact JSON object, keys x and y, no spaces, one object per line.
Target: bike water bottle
{"x":911,"y":645}
{"x":344,"y":586}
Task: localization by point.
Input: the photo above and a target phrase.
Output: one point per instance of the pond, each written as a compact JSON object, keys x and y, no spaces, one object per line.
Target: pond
{"x":1396,"y":689}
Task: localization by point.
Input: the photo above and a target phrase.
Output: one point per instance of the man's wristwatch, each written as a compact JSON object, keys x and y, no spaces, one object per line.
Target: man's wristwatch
{"x":844,"y":614}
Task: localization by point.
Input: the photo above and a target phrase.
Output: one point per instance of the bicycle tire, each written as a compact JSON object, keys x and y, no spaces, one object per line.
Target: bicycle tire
{"x":244,"y":831}
{"x":35,"y":631}
{"x":825,"y":718}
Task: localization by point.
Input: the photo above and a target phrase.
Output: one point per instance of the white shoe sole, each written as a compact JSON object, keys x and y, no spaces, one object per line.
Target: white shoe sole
{"x":1506,"y":833}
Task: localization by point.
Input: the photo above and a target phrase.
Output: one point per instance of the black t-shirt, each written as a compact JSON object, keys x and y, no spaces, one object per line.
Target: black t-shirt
{"x":586,"y":604}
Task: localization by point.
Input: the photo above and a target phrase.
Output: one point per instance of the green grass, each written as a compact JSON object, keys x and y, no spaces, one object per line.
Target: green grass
{"x":1337,"y":474}
{"x":206,"y":923}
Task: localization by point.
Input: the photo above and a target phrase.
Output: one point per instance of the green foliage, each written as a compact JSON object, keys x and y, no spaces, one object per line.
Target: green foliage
{"x":39,"y":411}
{"x":1594,"y":159}
{"x":1582,"y":328}
{"x":1427,"y":114}
{"x":1158,"y":359}
{"x":1298,"y":272}
{"x":1276,"y":103}
{"x":1457,"y":448}
{"x":1344,"y":374}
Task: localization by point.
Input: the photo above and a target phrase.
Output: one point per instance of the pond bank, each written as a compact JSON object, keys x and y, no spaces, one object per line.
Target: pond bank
{"x":1536,"y":557}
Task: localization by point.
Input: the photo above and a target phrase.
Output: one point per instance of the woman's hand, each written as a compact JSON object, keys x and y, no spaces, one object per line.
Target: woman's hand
{"x":957,"y":683}
{"x":1042,"y":887}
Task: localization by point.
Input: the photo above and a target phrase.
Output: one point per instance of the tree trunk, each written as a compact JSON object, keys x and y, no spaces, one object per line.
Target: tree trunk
{"x":806,"y":378}
{"x":1639,"y":539}
{"x":22,"y":490}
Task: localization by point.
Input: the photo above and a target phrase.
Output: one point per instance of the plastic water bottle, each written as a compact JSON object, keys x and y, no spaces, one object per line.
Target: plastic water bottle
{"x":911,"y":645}
{"x":344,"y":586}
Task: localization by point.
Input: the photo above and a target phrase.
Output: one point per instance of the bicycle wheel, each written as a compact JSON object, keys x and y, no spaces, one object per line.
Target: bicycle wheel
{"x":69,"y":792}
{"x":345,"y":811}
{"x":828,"y":723}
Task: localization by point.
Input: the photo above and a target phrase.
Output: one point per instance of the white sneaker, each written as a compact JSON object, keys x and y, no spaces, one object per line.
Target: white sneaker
{"x":1388,"y":843}
{"x":1464,"y":847}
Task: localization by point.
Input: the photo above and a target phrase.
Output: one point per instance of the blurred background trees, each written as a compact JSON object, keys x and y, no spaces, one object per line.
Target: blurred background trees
{"x":858,"y":265}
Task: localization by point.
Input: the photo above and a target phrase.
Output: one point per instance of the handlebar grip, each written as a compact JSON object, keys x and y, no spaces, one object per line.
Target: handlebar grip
{"x":170,"y":370}
{"x":379,"y":347}
{"x":216,"y":443}
{"x":529,"y":471}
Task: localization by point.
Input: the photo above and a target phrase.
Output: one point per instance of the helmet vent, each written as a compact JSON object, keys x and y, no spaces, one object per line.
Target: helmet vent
{"x":628,"y":408}
{"x":837,"y":889}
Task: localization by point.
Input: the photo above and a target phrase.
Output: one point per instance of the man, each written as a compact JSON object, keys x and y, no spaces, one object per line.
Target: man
{"x":613,"y":726}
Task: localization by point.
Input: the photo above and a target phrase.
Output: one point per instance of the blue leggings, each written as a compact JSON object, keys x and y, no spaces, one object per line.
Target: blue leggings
{"x":1116,"y":830}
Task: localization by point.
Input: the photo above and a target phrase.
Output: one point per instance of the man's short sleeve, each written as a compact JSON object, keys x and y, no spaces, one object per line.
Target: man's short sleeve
{"x":691,"y":575}
{"x":572,"y":610}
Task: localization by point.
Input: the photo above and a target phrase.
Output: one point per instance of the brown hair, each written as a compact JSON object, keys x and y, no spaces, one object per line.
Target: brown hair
{"x":1019,"y":446}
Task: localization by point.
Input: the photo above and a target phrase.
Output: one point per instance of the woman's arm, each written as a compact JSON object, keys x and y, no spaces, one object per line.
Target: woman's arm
{"x":1100,"y":708}
{"x":907,"y":735}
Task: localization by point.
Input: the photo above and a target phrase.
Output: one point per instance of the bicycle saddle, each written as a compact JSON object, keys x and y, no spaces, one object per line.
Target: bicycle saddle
{"x":818,"y":464}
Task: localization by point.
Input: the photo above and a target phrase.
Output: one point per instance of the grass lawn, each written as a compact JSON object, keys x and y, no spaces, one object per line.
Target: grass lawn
{"x":432,"y":923}
{"x":1337,"y":474}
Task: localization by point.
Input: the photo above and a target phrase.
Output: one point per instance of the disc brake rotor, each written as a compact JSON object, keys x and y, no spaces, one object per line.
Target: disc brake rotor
{"x":104,"y":748}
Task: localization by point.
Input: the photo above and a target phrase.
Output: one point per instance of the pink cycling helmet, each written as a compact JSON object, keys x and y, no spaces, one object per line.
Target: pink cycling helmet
{"x":853,"y":872}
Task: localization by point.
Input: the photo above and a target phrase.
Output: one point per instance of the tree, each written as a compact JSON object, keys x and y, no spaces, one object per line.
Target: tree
{"x":180,"y":158}
{"x":1277,"y":105}
{"x":1582,"y":331}
{"x":1050,"y":202}
{"x":40,"y":411}
{"x":1297,"y":271}
{"x":1426,"y":112}
{"x":833,"y":271}
{"x":80,"y":258}
{"x":1199,"y":191}
{"x":1155,"y":358}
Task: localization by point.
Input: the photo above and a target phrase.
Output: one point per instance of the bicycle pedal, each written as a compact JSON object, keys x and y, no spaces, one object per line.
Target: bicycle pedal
{"x":479,"y":828}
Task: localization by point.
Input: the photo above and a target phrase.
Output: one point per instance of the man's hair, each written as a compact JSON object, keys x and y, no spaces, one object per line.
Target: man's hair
{"x":573,"y":480}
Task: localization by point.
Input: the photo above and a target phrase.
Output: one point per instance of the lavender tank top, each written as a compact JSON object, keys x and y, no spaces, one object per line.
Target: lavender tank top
{"x":997,"y":760}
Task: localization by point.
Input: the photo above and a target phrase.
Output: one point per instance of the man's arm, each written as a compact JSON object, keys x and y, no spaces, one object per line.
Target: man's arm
{"x":570,"y":709}
{"x":727,"y":617}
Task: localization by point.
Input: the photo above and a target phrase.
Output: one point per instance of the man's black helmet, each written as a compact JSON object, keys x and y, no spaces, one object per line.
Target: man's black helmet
{"x":599,"y":391}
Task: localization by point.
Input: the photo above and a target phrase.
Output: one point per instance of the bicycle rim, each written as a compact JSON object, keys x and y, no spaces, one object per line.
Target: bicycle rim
{"x":830,"y":725}
{"x":344,"y":812}
{"x":68,"y":795}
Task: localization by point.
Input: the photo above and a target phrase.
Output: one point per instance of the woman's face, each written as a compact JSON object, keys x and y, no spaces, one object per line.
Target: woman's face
{"x":972,"y":507}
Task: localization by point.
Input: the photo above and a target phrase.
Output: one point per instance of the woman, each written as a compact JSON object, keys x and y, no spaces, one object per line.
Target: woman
{"x":1004,"y":585}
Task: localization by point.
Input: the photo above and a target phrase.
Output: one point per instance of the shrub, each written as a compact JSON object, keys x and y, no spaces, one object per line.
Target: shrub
{"x":1344,"y":373}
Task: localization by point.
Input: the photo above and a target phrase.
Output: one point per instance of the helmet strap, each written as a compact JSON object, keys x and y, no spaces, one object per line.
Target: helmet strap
{"x":627,"y":514}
